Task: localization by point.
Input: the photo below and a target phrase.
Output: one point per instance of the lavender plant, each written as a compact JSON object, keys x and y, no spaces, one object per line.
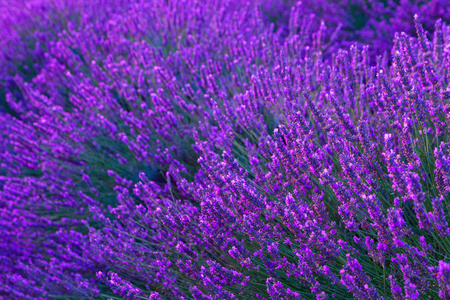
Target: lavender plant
{"x":193,"y":150}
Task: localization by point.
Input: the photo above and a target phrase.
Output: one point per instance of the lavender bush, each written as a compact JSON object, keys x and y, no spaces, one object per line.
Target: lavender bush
{"x":225,"y":150}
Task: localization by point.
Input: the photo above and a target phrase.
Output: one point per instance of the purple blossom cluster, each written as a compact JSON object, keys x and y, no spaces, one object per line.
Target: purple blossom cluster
{"x":231,"y":149}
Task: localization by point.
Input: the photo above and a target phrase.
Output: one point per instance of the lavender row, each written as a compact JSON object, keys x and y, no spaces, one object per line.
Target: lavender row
{"x":190,"y":150}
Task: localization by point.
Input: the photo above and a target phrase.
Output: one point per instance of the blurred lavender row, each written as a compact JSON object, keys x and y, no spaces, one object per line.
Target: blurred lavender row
{"x":231,"y":149}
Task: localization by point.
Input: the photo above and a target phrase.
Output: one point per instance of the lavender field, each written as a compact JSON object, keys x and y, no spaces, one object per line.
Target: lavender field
{"x":224,"y":149}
